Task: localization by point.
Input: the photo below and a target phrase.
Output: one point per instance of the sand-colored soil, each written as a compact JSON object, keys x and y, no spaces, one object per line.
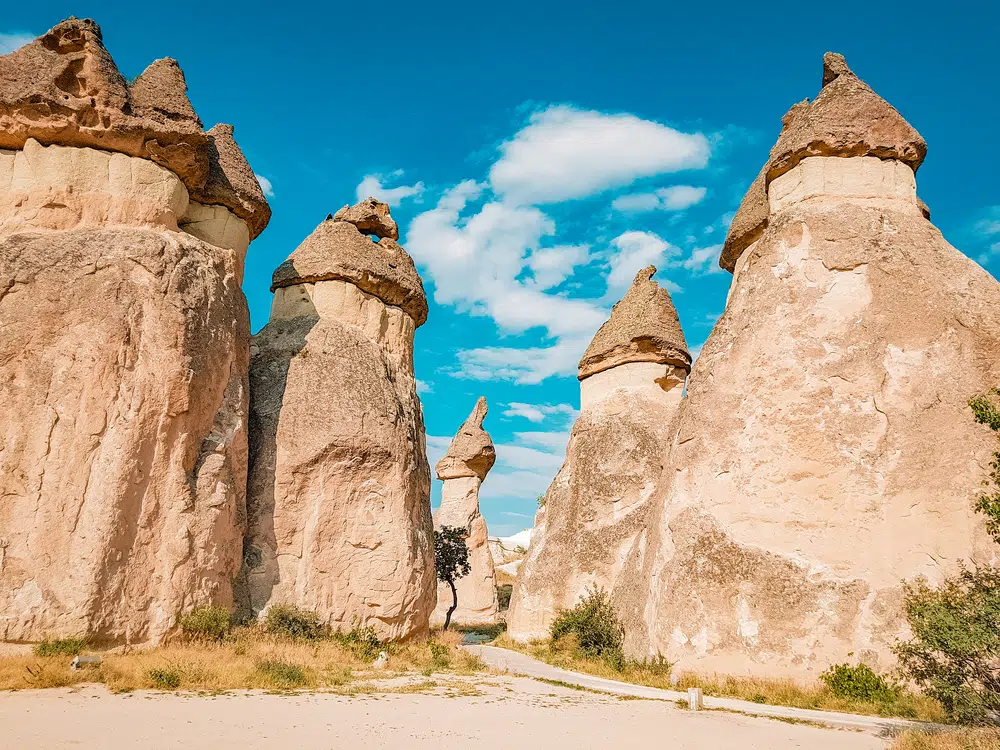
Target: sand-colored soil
{"x":508,"y":712}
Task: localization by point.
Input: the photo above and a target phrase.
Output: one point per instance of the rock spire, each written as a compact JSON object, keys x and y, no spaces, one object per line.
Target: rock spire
{"x":462,"y":469}
{"x":825,"y":453}
{"x":593,"y":528}
{"x":125,"y":347}
{"x":339,"y":485}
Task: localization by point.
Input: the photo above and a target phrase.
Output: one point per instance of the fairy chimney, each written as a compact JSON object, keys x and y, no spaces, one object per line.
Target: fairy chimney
{"x":125,"y":348}
{"x":339,"y":486}
{"x":596,"y":509}
{"x":825,"y":453}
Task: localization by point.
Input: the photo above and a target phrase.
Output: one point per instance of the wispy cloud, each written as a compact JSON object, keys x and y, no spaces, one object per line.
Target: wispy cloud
{"x":371,"y":186}
{"x":634,"y":251}
{"x":265,"y":185}
{"x":704,"y":260}
{"x":424,"y":387}
{"x":675,"y":198}
{"x":11,"y":41}
{"x":565,"y":153}
{"x":538,"y":413}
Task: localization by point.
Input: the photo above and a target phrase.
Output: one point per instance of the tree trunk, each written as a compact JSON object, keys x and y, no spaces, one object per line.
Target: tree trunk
{"x":454,"y":604}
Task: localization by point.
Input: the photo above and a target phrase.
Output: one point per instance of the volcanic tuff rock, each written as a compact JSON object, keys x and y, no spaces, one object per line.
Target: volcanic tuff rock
{"x":593,"y":529}
{"x":371,"y":217}
{"x":125,"y":349}
{"x":846,"y":119}
{"x":463,"y":468}
{"x":339,"y":486}
{"x":825,"y":451}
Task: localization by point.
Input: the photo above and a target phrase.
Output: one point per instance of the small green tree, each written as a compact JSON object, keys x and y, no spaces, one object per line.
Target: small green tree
{"x":954,"y":654}
{"x":595,"y":625}
{"x":451,"y":559}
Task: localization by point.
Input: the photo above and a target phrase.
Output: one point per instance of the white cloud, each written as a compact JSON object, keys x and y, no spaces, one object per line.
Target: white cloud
{"x":522,"y":458}
{"x":553,"y":441}
{"x":424,"y":387}
{"x":550,"y":266}
{"x":704,"y":259}
{"x":479,"y":262}
{"x":371,"y":186}
{"x":537,"y":413}
{"x":675,"y":198}
{"x":437,"y":446}
{"x":565,"y":153}
{"x":527,"y":365}
{"x":15,"y":40}
{"x":635,"y":251}
{"x":265,"y":185}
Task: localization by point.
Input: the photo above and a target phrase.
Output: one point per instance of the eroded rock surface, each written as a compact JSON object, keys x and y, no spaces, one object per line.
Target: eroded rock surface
{"x":825,"y":451}
{"x":125,"y":350}
{"x":596,"y":511}
{"x":339,"y":486}
{"x":462,"y":469}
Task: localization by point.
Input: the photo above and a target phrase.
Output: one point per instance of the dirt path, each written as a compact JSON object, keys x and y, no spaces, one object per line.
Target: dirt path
{"x":522,"y":664}
{"x":508,"y":712}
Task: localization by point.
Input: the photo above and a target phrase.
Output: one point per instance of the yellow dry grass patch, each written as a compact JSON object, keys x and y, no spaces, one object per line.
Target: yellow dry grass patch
{"x":959,"y":739}
{"x":249,"y":659}
{"x":773,"y":692}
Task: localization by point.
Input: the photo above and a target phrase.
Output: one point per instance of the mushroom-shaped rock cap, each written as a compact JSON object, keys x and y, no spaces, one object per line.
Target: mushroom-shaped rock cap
{"x":338,"y":250}
{"x":232,"y":183}
{"x":643,"y":327}
{"x":64,"y":88}
{"x":371,"y":217}
{"x":847,"y":118}
{"x":161,"y":93}
{"x":471,"y":453}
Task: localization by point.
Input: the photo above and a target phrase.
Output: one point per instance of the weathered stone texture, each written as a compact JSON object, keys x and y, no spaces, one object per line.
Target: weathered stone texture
{"x":339,"y":486}
{"x":593,"y":530}
{"x":825,"y":452}
{"x":462,"y":469}
{"x":122,"y":466}
{"x":125,"y":350}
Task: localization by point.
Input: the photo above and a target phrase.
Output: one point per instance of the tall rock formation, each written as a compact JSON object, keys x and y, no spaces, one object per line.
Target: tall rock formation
{"x":339,"y":486}
{"x":464,"y":467}
{"x":125,"y":347}
{"x":825,"y":452}
{"x":596,"y":511}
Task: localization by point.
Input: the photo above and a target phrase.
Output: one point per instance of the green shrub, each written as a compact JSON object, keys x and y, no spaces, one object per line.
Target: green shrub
{"x":281,"y":674}
{"x":167,"y":678}
{"x":60,"y":647}
{"x":861,"y":683}
{"x":207,"y":623}
{"x":954,"y":654}
{"x":503,"y":596}
{"x":292,"y":622}
{"x":595,"y":626}
{"x":364,"y":643}
{"x":440,"y":655}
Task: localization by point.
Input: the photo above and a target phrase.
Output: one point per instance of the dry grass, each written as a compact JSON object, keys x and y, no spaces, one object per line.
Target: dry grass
{"x":248,"y":659}
{"x":768,"y":691}
{"x":959,"y":739}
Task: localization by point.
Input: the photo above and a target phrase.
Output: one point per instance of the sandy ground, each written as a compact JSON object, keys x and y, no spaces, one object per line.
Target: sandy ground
{"x":508,"y":712}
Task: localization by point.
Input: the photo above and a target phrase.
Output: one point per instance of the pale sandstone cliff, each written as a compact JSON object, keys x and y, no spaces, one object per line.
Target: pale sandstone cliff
{"x":593,"y":530}
{"x":462,"y":469}
{"x":825,"y":451}
{"x":339,"y":486}
{"x":123,"y":364}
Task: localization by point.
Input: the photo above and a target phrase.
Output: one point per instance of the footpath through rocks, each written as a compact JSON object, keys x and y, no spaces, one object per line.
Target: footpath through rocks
{"x":517,"y":663}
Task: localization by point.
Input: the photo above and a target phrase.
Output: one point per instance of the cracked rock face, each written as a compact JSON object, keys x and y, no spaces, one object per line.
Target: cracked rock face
{"x":339,"y":485}
{"x":125,"y":348}
{"x":462,"y":469}
{"x":593,"y":531}
{"x":825,"y":452}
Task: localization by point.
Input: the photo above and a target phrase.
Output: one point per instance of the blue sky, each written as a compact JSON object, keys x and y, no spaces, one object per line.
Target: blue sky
{"x":536,"y":157}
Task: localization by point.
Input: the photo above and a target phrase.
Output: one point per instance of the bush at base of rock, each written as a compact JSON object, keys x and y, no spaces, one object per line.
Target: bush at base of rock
{"x":595,"y":626}
{"x":292,"y":622}
{"x":209,"y":623}
{"x":860,"y":682}
{"x":954,"y":654}
{"x":59,"y":647}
